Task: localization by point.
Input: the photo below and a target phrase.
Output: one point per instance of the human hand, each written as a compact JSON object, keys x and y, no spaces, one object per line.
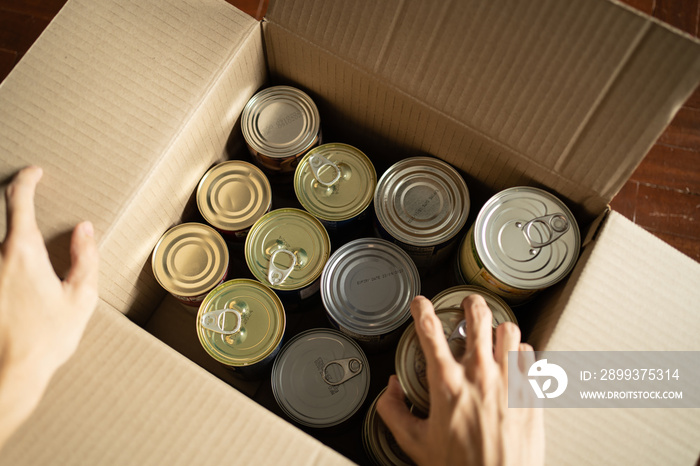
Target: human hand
{"x":469,"y":421}
{"x":42,"y":318}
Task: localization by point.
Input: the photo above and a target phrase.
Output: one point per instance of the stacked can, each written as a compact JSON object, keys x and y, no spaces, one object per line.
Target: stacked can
{"x":336,"y":183}
{"x":367,"y":287}
{"x":241,"y":324}
{"x":280,"y":124}
{"x":232,"y":196}
{"x":422,"y":204}
{"x":320,"y":378}
{"x":287,"y":249}
{"x":379,"y":443}
{"x":523,"y":240}
{"x":190,"y":260}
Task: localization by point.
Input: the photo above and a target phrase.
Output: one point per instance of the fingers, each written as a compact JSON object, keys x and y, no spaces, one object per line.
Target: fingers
{"x":439,"y":360}
{"x":392,"y":408}
{"x":82,"y":277}
{"x":526,"y":357}
{"x":507,"y":339}
{"x":21,"y":219}
{"x":479,"y":329}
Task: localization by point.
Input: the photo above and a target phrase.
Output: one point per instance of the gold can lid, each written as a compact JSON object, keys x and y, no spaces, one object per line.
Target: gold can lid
{"x":452,"y":298}
{"x":190,"y":259}
{"x":240,"y":322}
{"x":410,"y":360}
{"x":335,"y":182}
{"x":280,"y":122}
{"x":233,"y":195}
{"x":287,"y":249}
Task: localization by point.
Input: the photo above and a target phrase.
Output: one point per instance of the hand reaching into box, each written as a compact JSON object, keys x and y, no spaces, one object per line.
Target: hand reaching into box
{"x":469,"y":421}
{"x":42,"y":318}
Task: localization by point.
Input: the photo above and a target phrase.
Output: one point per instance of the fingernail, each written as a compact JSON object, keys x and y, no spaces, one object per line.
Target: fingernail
{"x":88,"y":229}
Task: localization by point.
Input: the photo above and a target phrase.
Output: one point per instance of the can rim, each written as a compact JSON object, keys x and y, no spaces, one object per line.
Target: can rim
{"x":489,"y":296}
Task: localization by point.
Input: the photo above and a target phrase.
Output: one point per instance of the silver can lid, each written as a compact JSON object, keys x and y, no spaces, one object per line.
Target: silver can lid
{"x":422,"y":201}
{"x":452,"y":298}
{"x":320,"y":378}
{"x":527,"y":238}
{"x":280,"y":121}
{"x":367,"y":286}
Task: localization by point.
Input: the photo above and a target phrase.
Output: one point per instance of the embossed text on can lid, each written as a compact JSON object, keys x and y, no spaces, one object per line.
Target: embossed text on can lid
{"x":190,"y":259}
{"x":422,"y":201}
{"x":367,"y":286}
{"x":452,"y":298}
{"x":527,"y":238}
{"x":233,"y":195}
{"x":410,"y":360}
{"x":320,"y":378}
{"x":335,"y":182}
{"x":280,"y":121}
{"x":240,"y":322}
{"x":287,"y":249}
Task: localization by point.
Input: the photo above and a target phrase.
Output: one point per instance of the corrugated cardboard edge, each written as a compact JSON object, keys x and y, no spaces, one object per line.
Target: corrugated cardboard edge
{"x":127,"y":398}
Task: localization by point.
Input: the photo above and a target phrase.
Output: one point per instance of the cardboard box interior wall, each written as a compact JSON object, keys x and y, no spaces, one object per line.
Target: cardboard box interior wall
{"x":126,"y":104}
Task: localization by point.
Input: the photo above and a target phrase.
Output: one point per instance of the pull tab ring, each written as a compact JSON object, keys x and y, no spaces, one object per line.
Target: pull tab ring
{"x":215,"y":320}
{"x":317,"y":162}
{"x":351,"y":367}
{"x":459,"y":333}
{"x":556,"y":225}
{"x":276,"y":275}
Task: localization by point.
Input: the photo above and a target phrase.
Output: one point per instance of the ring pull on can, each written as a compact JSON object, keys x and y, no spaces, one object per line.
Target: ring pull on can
{"x":216,"y":320}
{"x":317,"y":162}
{"x":459,"y":333}
{"x":277,"y":275}
{"x":351,"y":367}
{"x":556,"y":224}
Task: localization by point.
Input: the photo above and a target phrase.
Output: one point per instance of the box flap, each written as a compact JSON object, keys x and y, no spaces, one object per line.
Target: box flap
{"x":569,"y":96}
{"x":127,"y":398}
{"x":125,"y":105}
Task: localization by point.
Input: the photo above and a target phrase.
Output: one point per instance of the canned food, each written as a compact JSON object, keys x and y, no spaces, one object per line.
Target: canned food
{"x":189,"y":260}
{"x":336,"y":183}
{"x":367,"y":287}
{"x":232,"y":196}
{"x":320,"y":378}
{"x":421,"y":204}
{"x":286,"y":250}
{"x":410,"y":360}
{"x":240,"y":324}
{"x":523,"y":240}
{"x":452,"y":298}
{"x":280,"y":124}
{"x":379,"y":443}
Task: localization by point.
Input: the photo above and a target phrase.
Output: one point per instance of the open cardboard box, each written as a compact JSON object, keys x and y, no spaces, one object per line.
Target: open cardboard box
{"x":126,"y":104}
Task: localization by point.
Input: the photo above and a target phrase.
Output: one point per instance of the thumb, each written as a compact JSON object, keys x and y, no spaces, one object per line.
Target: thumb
{"x":406,"y":428}
{"x":81,"y":281}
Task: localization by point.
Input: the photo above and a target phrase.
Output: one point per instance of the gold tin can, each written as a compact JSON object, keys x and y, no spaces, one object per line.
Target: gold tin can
{"x":335,"y":183}
{"x":280,"y":124}
{"x":523,"y":241}
{"x":232,"y":196}
{"x":241,"y":324}
{"x":286,"y":250}
{"x":452,"y":298}
{"x":189,"y":260}
{"x":379,"y":443}
{"x":422,"y":204}
{"x":410,"y":360}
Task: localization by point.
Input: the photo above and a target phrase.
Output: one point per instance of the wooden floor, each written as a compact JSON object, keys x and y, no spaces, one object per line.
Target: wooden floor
{"x":662,"y":196}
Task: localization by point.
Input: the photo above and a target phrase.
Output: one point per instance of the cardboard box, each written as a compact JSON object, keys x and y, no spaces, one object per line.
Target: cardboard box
{"x":126,"y":104}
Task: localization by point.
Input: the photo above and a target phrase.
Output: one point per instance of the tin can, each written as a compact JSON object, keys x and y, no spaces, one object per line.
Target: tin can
{"x":336,"y":183}
{"x":452,"y":298}
{"x":241,"y":324}
{"x":378,"y":441}
{"x":232,"y":196}
{"x":286,"y":249}
{"x":320,"y":378}
{"x":367,"y":287}
{"x":523,"y":241}
{"x":422,"y":204}
{"x":190,"y":260}
{"x":410,"y":360}
{"x":280,"y":124}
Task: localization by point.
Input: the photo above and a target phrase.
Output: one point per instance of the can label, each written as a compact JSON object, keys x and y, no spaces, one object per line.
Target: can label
{"x":471,"y":271}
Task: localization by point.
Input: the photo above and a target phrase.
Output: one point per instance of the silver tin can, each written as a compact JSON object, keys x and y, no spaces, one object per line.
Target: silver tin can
{"x":280,"y":124}
{"x":379,"y":443}
{"x":367,"y":287}
{"x":452,"y":298}
{"x":320,"y":378}
{"x":422,"y":204}
{"x":523,"y":241}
